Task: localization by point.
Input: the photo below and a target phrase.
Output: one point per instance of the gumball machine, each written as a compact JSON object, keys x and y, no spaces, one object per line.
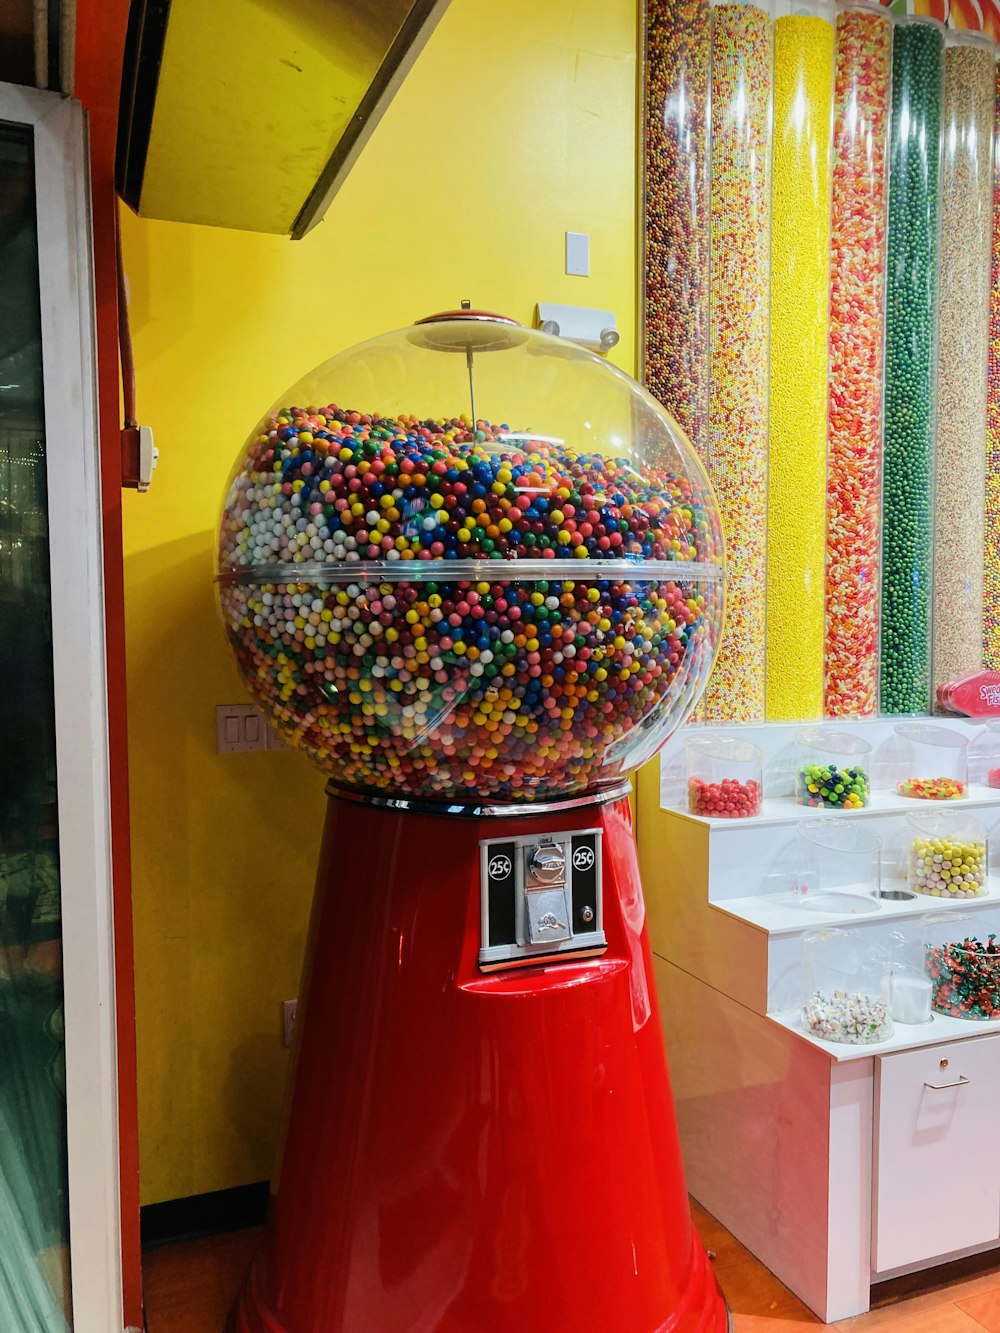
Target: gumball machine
{"x":475,"y":573}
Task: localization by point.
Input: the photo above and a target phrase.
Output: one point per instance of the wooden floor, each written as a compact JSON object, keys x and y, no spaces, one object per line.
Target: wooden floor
{"x":190,"y":1287}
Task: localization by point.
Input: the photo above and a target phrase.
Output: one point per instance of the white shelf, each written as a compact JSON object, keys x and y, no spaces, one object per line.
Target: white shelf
{"x":769,"y":913}
{"x":784,"y":810}
{"x":905,"y":1036}
{"x":765,"y":854}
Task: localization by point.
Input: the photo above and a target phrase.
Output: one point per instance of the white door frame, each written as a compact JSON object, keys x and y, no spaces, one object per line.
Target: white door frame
{"x":65,"y":266}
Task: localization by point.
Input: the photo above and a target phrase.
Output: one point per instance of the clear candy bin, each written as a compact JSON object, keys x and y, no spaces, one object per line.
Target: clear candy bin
{"x":963,"y":964}
{"x":831,"y":769}
{"x":984,"y":756}
{"x":947,"y":855}
{"x":933,"y":762}
{"x":466,"y":562}
{"x":847,"y":994}
{"x":724,"y":777}
{"x":839,"y":867}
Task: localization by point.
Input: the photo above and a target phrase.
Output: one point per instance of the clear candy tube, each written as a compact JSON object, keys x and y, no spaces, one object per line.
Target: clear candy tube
{"x":857,"y":312}
{"x":675,"y":229}
{"x":742,"y":73}
{"x":910,"y":363}
{"x":963,"y":348}
{"x":800,"y":278}
{"x":991,"y":541}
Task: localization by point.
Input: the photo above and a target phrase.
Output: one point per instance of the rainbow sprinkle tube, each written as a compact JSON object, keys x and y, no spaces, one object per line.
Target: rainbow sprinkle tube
{"x":963,"y":348}
{"x":742,"y":59}
{"x":857,"y":313}
{"x":991,"y":539}
{"x":675,"y":211}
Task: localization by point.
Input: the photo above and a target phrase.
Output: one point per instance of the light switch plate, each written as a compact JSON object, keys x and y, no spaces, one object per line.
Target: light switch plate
{"x":578,"y":254}
{"x":239,"y":728}
{"x":274,"y":741}
{"x":288,"y":1011}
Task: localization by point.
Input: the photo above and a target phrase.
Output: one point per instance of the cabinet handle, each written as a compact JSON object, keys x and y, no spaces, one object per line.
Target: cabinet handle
{"x":956,"y":1084}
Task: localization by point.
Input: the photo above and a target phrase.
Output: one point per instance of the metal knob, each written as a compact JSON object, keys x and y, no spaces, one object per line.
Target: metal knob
{"x":547,"y":863}
{"x":587,"y":915}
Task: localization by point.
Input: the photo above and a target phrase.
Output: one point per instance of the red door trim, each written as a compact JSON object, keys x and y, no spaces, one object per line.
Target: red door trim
{"x":100,"y":42}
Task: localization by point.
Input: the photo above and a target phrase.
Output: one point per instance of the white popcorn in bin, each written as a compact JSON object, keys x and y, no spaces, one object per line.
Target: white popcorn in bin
{"x":857,"y":1019}
{"x":847,"y":990}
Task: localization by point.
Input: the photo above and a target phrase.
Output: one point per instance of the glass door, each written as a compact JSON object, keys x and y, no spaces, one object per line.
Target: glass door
{"x":34,"y":1188}
{"x":59,"y":1229}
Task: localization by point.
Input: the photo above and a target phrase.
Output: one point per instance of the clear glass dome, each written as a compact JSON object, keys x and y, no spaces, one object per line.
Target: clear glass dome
{"x":466,"y":561}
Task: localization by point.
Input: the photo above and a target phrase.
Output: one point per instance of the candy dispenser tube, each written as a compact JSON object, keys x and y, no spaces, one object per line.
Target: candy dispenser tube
{"x":857,"y":313}
{"x":991,"y":538}
{"x":910,"y":363}
{"x":742,"y":77}
{"x":675,"y":226}
{"x":800,"y":277}
{"x":963,"y":349}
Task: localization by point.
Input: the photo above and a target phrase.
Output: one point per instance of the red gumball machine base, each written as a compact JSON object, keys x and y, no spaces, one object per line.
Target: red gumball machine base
{"x":474,"y":1151}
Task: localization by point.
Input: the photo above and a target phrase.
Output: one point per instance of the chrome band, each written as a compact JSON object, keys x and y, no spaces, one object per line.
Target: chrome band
{"x":487,"y":810}
{"x":452,"y":571}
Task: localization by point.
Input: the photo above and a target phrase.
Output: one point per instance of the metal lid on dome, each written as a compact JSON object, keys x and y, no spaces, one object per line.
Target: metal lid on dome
{"x":467,"y":330}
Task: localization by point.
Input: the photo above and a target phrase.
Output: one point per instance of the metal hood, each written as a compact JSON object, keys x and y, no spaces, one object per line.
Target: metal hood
{"x":250,"y":113}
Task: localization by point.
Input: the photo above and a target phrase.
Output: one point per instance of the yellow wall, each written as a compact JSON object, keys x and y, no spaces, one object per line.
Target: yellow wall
{"x":516,"y":124}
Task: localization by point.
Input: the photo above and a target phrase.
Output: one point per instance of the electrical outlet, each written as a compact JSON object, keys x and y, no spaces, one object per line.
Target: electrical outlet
{"x":239,"y":728}
{"x":288,"y":1008}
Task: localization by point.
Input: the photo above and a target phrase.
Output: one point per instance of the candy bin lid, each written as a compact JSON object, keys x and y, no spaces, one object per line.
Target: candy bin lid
{"x":840,"y":867}
{"x":471,"y":565}
{"x":933,"y":761}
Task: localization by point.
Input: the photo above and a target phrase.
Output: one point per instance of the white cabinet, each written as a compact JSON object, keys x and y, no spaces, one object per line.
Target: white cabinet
{"x":937,"y":1166}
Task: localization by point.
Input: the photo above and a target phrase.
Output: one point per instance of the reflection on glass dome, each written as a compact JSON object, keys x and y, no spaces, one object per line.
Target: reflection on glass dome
{"x":467,"y":560}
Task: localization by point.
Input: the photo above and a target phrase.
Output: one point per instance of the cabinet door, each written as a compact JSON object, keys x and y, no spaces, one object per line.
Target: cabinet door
{"x":937,"y":1167}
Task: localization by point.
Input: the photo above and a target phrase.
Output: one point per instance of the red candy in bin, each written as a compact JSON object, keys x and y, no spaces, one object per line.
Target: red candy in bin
{"x":728,"y":799}
{"x":976,"y":694}
{"x":724,"y":777}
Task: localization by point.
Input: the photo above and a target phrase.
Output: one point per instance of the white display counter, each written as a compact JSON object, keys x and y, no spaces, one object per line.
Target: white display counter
{"x":820,"y":1157}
